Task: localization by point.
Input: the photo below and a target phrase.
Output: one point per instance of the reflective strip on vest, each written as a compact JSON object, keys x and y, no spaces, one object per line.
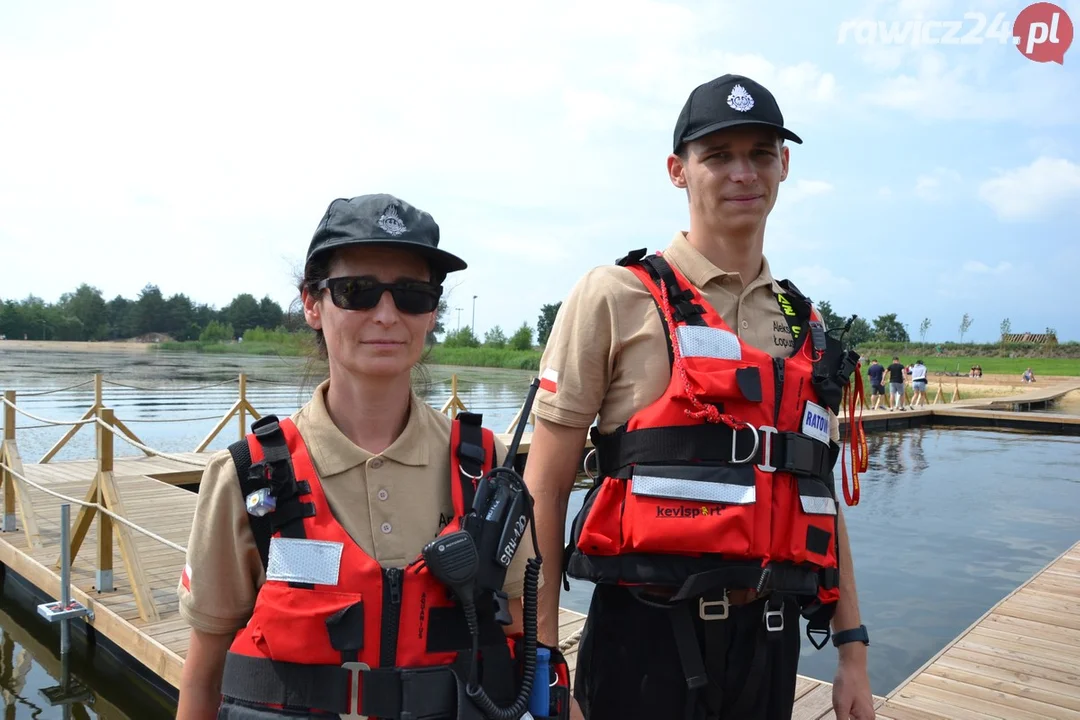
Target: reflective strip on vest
{"x":316,"y":562}
{"x":701,"y":341}
{"x":681,"y":489}
{"x":812,"y":505}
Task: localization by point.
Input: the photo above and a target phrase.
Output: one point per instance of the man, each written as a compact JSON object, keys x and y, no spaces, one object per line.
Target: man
{"x":896,"y":384}
{"x":661,"y":642}
{"x":877,"y":386}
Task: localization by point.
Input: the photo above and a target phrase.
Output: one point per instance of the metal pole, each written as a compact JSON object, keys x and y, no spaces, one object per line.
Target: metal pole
{"x":65,"y":575}
{"x":473,"y":326}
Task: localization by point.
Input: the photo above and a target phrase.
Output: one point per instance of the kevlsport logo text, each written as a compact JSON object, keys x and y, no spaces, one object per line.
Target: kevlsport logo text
{"x":1042,"y":32}
{"x":687,"y":511}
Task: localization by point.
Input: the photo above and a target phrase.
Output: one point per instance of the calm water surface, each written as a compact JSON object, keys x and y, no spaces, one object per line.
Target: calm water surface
{"x":950,"y":521}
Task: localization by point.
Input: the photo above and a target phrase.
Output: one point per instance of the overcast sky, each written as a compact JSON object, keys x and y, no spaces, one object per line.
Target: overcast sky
{"x":196,"y":145}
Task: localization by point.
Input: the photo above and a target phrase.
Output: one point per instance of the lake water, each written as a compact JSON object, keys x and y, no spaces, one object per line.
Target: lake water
{"x":951,"y":520}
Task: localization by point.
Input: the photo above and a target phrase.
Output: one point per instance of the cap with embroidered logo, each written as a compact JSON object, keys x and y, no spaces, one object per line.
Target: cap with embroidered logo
{"x":726,"y":102}
{"x":382,"y":220}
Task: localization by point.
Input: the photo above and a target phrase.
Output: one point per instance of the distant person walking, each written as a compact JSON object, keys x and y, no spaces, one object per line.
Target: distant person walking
{"x":918,"y":383}
{"x":896,"y":384}
{"x":876,"y":371}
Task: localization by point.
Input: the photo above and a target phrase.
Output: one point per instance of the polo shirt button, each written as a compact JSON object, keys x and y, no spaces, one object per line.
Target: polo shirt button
{"x":726,"y":280}
{"x":386,"y":528}
{"x":383,"y":494}
{"x":376,"y":463}
{"x":745,"y":324}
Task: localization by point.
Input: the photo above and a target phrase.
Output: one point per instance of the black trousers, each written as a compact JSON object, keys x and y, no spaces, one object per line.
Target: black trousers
{"x":629,"y":667}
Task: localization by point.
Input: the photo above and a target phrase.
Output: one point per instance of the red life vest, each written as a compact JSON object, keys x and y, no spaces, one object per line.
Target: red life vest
{"x":725,"y":481}
{"x":333,"y":630}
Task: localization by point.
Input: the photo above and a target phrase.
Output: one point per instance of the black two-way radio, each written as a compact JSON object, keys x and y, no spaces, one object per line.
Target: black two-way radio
{"x":473,"y":562}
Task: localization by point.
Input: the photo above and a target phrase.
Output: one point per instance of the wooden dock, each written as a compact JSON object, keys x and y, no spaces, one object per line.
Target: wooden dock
{"x":1020,"y":660}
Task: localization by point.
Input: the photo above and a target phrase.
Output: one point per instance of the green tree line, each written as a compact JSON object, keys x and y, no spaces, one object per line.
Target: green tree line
{"x":86,"y":315}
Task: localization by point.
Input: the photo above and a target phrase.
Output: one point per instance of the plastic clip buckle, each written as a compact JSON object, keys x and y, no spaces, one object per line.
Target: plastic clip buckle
{"x":774,"y":619}
{"x":704,"y":606}
{"x":354,"y":668}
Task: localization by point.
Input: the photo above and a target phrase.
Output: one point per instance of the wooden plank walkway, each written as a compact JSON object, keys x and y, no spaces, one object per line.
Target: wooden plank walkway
{"x":1020,"y":660}
{"x":1050,"y":392}
{"x":813,"y":698}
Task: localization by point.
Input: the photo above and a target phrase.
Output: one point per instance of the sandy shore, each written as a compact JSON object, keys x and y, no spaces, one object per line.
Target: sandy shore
{"x":66,"y":346}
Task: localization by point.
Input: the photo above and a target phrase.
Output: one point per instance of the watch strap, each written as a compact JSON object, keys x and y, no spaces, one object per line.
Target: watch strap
{"x":858,"y":634}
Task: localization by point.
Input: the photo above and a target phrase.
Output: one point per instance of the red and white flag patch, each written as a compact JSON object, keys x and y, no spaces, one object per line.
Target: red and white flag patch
{"x":549,"y":380}
{"x":185,"y":578}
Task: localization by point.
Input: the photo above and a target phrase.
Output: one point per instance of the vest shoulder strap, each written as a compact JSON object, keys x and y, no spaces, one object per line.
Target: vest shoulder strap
{"x":473,"y":454}
{"x":274,"y":472}
{"x":799,"y":313}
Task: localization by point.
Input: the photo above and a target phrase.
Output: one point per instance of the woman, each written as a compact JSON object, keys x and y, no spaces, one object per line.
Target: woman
{"x":353,"y":487}
{"x":918,"y":384}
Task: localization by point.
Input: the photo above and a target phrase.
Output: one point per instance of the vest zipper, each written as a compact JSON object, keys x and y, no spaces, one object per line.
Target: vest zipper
{"x":391,"y":616}
{"x":778,"y":366}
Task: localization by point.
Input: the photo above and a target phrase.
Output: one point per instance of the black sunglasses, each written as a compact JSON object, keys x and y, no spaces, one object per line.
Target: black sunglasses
{"x":362,"y":293}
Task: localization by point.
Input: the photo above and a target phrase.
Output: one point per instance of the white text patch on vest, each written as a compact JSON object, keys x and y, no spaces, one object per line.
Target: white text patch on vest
{"x":816,"y":422}
{"x":316,"y":562}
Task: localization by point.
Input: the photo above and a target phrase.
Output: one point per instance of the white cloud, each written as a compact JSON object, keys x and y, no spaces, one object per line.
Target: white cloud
{"x":936,"y":187}
{"x":976,"y":267}
{"x":820,"y":281}
{"x":885,"y":192}
{"x":1033,"y":191}
{"x":802,"y":189}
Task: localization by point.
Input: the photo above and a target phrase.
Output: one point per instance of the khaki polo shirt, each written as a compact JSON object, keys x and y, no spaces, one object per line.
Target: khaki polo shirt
{"x":608,"y":347}
{"x":391,"y":504}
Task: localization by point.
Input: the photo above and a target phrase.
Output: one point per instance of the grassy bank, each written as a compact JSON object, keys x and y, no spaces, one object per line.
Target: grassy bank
{"x":990,"y":365}
{"x":437,"y":355}
{"x":485,"y":357}
{"x":244,"y":348}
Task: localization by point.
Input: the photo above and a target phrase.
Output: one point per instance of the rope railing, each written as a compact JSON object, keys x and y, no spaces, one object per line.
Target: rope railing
{"x":170,"y":389}
{"x":94,"y":506}
{"x":57,"y":390}
{"x":46,"y":421}
{"x":146,"y":449}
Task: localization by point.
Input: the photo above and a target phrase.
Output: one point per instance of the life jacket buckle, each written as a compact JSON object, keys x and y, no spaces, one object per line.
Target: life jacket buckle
{"x":774,"y":619}
{"x":766,"y":456}
{"x":735,"y":460}
{"x":354,"y":668}
{"x":705,"y":612}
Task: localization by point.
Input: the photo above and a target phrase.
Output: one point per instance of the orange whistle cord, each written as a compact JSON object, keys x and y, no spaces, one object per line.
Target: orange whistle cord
{"x":853,"y":400}
{"x":701,"y":411}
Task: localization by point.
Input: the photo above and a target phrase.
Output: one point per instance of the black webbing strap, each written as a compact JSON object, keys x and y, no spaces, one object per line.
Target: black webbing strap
{"x":260,"y":526}
{"x":470,"y":454}
{"x":796,"y":310}
{"x":755,"y":676}
{"x":693,"y":666}
{"x":683,"y":309}
{"x":275,"y":471}
{"x":269,"y":682}
{"x":385,"y":693}
{"x":787,"y":451}
{"x":786,"y":579}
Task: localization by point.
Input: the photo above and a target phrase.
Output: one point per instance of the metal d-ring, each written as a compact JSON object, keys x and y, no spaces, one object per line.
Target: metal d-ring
{"x":585,"y":465}
{"x":735,"y":439}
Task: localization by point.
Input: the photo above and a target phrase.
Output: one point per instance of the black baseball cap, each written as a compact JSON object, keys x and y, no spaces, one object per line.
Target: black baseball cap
{"x":728,"y":101}
{"x":382,"y":220}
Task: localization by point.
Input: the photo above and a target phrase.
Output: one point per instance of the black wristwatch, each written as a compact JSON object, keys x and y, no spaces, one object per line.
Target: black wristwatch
{"x":858,"y":634}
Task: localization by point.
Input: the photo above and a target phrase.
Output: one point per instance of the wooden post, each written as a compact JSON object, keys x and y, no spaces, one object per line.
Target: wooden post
{"x":937,"y":397}
{"x":242,"y":404}
{"x":104,"y":576}
{"x":7,"y":478}
{"x":99,"y":397}
{"x":956,"y":392}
